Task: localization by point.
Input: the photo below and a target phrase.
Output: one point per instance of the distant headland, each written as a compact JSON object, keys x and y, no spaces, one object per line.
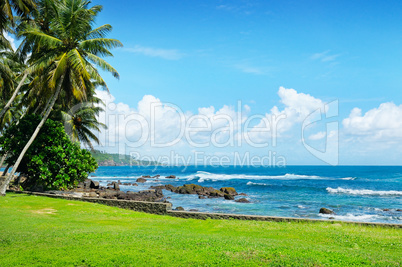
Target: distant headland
{"x":109,"y":159}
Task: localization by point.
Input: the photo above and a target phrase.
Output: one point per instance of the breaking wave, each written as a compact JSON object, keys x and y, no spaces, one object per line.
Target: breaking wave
{"x":352,"y":217}
{"x":202,"y":176}
{"x":251,"y":183}
{"x":363,"y":192}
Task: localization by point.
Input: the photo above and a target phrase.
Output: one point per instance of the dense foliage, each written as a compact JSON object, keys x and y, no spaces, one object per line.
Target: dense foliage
{"x":54,"y":70}
{"x":52,"y":161}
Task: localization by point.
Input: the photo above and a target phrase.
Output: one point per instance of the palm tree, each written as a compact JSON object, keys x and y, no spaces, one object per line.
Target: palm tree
{"x":80,"y":121}
{"x":20,"y":7}
{"x":12,"y":68}
{"x":67,"y":56}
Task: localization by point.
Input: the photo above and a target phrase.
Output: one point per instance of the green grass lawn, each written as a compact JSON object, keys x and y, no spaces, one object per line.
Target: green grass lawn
{"x":45,"y":231}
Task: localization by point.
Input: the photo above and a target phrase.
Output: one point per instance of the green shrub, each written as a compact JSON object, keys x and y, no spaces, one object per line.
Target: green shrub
{"x":52,"y":161}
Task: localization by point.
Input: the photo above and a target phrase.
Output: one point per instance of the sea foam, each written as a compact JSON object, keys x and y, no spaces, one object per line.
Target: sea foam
{"x":363,"y":192}
{"x":352,"y":217}
{"x":202,"y":176}
{"x":262,"y":184}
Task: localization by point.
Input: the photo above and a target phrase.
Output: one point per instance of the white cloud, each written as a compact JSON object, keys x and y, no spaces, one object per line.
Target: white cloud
{"x":383,"y":123}
{"x":324,"y":56}
{"x":153,"y":122}
{"x":169,"y":54}
{"x":153,"y":126}
{"x":11,"y":40}
{"x":249,"y":69}
{"x":317,"y":136}
{"x":298,"y":106}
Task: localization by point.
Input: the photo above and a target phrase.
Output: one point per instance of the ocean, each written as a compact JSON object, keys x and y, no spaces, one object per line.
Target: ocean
{"x":354,"y":193}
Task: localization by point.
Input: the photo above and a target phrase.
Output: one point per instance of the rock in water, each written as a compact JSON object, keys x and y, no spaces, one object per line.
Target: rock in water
{"x":242,"y":200}
{"x":228,"y":197}
{"x":171,"y":177}
{"x":326,"y":211}
{"x":229,"y":191}
{"x":179,"y":208}
{"x":141,"y":180}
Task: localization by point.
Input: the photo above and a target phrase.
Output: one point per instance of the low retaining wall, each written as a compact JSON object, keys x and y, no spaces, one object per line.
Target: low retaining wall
{"x":166,"y":209}
{"x":225,"y":216}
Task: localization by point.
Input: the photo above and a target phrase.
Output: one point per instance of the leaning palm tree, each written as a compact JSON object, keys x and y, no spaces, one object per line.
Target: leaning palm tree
{"x":67,"y":56}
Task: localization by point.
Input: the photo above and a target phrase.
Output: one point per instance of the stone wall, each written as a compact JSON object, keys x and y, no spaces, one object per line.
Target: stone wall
{"x":166,"y":209}
{"x":225,"y":216}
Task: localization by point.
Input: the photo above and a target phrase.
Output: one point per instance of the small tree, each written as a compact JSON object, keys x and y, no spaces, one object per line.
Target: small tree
{"x":52,"y":161}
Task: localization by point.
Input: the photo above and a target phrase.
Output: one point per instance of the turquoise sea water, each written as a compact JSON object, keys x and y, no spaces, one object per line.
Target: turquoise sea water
{"x":355,"y":193}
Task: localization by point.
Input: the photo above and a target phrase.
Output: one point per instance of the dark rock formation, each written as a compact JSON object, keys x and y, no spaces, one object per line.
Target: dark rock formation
{"x":228,"y":197}
{"x":147,"y":195}
{"x":158,"y":187}
{"x":94,"y":184}
{"x":326,"y":211}
{"x":170,"y":187}
{"x":171,"y":177}
{"x":215,"y":193}
{"x":242,"y":200}
{"x":199,"y":190}
{"x":87,"y":183}
{"x":179,"y":208}
{"x":229,"y":190}
{"x":115,"y":186}
{"x":141,"y":180}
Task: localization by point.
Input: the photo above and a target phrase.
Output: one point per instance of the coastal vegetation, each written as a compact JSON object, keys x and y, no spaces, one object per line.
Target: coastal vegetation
{"x":53,"y":161}
{"x":53,"y":74}
{"x":114,"y":159}
{"x":45,"y":231}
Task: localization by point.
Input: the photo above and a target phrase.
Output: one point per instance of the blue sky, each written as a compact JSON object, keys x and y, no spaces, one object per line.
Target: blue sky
{"x":198,"y":54}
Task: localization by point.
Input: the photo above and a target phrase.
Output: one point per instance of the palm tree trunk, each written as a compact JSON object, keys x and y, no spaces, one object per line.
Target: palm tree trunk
{"x":2,"y":159}
{"x":6,"y":170}
{"x":23,"y":115}
{"x":36,"y":132}
{"x":47,"y":105}
{"x":13,"y":96}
